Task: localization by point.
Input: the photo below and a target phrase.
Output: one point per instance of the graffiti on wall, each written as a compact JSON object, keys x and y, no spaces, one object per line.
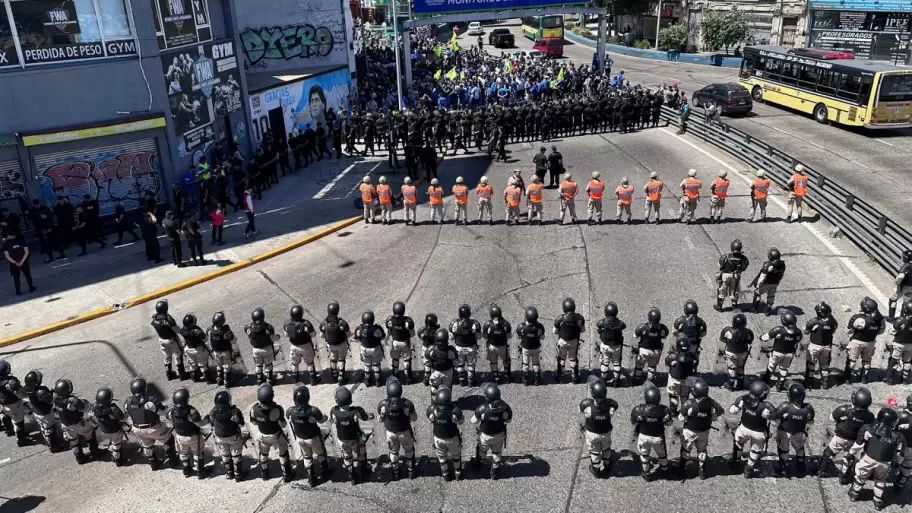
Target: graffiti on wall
{"x":12,"y":183}
{"x":106,"y":177}
{"x":266,"y":44}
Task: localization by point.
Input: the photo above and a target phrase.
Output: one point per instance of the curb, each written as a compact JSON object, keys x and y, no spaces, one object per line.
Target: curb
{"x":658,"y":55}
{"x":130,"y":303}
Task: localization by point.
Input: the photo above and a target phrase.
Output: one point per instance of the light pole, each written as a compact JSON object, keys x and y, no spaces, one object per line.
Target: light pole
{"x":396,"y":53}
{"x":658,"y":23}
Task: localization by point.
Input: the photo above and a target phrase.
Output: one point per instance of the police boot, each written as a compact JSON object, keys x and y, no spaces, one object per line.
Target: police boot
{"x":701,"y":469}
{"x":260,"y":378}
{"x":767,"y":377}
{"x":287,"y":471}
{"x":188,"y":468}
{"x":340,"y":379}
{"x":559,"y":373}
{"x":824,"y":465}
{"x":718,"y":306}
{"x":220,"y":377}
{"x":800,"y":466}
{"x":198,"y":375}
{"x":853,"y":495}
{"x":595,"y":470}
{"x":93,"y":446}
{"x":409,"y":376}
{"x":394,"y":471}
{"x":755,"y":303}
{"x":847,"y":371}
{"x":239,"y":472}
{"x":120,"y":461}
{"x":879,"y":504}
{"x":891,"y":372}
{"x":495,"y":472}
{"x":8,"y":425}
{"x":770,"y":309}
{"x":169,"y":373}
{"x":537,"y":378}
{"x":427,"y":378}
{"x":508,"y":373}
{"x":352,"y":475}
{"x":315,"y":378}
{"x":23,"y":439}
{"x":368,"y":378}
{"x":270,"y":376}
{"x":525,"y":377}
{"x":154,"y":462}
{"x":463,"y":379}
{"x":171,"y":452}
{"x":264,"y":471}
{"x":735,"y":456}
{"x":181,"y":371}
{"x":576,"y":374}
{"x":845,"y":477}
{"x":782,"y":469}
{"x":365,"y":469}
{"x":81,"y":457}
{"x":312,"y":477}
{"x":297,"y":376}
{"x":731,"y":384}
{"x":413,"y":468}
{"x":864,"y":375}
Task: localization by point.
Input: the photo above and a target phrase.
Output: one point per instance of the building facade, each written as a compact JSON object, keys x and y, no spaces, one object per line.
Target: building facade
{"x":870,"y":29}
{"x":773,"y":22}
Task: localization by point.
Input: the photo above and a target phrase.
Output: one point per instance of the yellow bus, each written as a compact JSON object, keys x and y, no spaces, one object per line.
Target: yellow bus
{"x":537,"y":27}
{"x":833,"y":86}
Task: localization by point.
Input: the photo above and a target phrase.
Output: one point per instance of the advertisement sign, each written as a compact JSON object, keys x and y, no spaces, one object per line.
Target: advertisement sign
{"x":859,"y":5}
{"x":181,"y":22}
{"x":88,"y":133}
{"x":303,"y":103}
{"x":69,"y":52}
{"x":60,"y":18}
{"x":449,"y":6}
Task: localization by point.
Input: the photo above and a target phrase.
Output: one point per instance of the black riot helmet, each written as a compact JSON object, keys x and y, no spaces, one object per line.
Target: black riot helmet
{"x":495,"y":312}
{"x":531,"y":314}
{"x":736,"y":246}
{"x":739,"y":321}
{"x":861,"y":399}
{"x":33,"y":379}
{"x":788,"y":319}
{"x":63,"y":387}
{"x":297,"y":313}
{"x":691,"y":308}
{"x":367,"y":318}
{"x":759,"y":390}
{"x":218,"y":319}
{"x":5,"y":369}
{"x":222,"y":398}
{"x":907,"y":255}
{"x":332,"y":308}
{"x":773,"y":254}
{"x":611,"y":309}
{"x":393,"y":388}
{"x":492,"y":392}
{"x":598,"y":389}
{"x":465,"y":311}
{"x":909,"y":402}
{"x":162,"y":306}
{"x":138,"y":386}
{"x":887,"y":417}
{"x":822,"y":309}
{"x":654,"y":315}
{"x":652,"y":395}
{"x":257,"y":315}
{"x":868,"y":305}
{"x":301,"y":396}
{"x":431,"y":320}
{"x":907,"y":308}
{"x":443,"y":397}
{"x":399,"y":308}
{"x":796,"y":393}
{"x":189,"y":321}
{"x":569,"y":305}
{"x":442,"y":337}
{"x":104,"y":396}
{"x":699,"y":389}
{"x":265,"y":394}
{"x":343,"y":396}
{"x":180,"y":397}
{"x":682,"y":344}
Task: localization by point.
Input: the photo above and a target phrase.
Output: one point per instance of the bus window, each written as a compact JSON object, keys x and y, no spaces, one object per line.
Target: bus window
{"x":790,"y":72}
{"x":747,"y":67}
{"x":895,"y":88}
{"x":849,"y":89}
{"x":865,"y":92}
{"x":760,"y":64}
{"x":773,"y":68}
{"x":552,"y":22}
{"x":807,"y":77}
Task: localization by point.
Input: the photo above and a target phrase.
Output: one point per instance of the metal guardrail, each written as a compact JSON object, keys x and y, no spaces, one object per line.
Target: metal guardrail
{"x":875,"y":233}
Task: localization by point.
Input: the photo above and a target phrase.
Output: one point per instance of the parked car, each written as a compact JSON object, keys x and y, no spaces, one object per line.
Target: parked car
{"x":501,"y":38}
{"x":550,"y":46}
{"x":535,"y":55}
{"x":734,"y":98}
{"x":475,"y":29}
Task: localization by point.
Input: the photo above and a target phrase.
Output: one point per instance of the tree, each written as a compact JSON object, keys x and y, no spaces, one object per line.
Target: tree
{"x":673,"y":37}
{"x":724,"y":29}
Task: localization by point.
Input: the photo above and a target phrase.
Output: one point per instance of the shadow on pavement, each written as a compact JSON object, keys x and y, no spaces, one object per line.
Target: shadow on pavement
{"x":21,"y":504}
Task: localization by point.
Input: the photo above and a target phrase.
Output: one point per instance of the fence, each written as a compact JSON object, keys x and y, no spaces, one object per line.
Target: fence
{"x":875,"y":233}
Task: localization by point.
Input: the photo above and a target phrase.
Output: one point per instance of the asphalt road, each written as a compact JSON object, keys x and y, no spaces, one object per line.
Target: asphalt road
{"x":871,"y":163}
{"x":435,"y":268}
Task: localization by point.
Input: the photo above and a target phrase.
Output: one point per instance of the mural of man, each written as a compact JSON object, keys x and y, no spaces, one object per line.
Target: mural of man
{"x":317,"y":104}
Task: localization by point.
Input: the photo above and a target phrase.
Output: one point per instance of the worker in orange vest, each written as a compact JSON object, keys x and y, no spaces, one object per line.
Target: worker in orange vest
{"x":568,"y":191}
{"x":435,"y":195}
{"x":653,"y":190}
{"x":410,"y":201}
{"x":368,"y":193}
{"x":690,"y":188}
{"x":797,"y":185}
{"x":535,"y":194}
{"x":512,"y":196}
{"x":759,"y":192}
{"x":484,"y":192}
{"x":719,"y":190}
{"x":624,"y":193}
{"x":385,"y":195}
{"x":595,"y":188}
{"x":461,"y":195}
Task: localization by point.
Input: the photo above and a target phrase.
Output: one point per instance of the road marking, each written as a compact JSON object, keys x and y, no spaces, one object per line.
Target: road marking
{"x":333,"y":183}
{"x":275,"y":210}
{"x":780,"y":130}
{"x":883,"y":142}
{"x":61,"y":265}
{"x":4,"y":460}
{"x":848,"y":263}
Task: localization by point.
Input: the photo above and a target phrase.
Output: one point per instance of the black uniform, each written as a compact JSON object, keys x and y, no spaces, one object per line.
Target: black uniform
{"x":699,"y":414}
{"x":492,"y":419}
{"x":650,"y":348}
{"x":873,"y":325}
{"x":820,"y":332}
{"x":785,"y":343}
{"x":649,"y":421}
{"x":466,"y":332}
{"x":737,"y":349}
{"x":694,"y":328}
{"x":497,"y":333}
{"x":611,"y":336}
{"x":336,"y":331}
{"x":530,"y":336}
{"x":568,"y":327}
{"x":300,"y":336}
{"x":792,"y":432}
{"x":351,"y":438}
{"x":260,"y":335}
{"x":401,"y":329}
{"x":681,"y":366}
{"x":754,"y":429}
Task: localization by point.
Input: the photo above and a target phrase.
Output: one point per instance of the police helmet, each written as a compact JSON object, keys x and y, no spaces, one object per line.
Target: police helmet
{"x":758,"y":390}
{"x":531,"y":314}
{"x":484,"y":180}
{"x":861,"y":398}
{"x":654,"y":315}
{"x":773,"y":254}
{"x":398,"y":308}
{"x":907,"y":308}
{"x":723,"y":173}
{"x":465,"y":311}
{"x":909,"y":402}
{"x":257,"y":315}
{"x":104,"y":396}
{"x":180,"y":397}
{"x":699,"y":388}
{"x":788,"y":319}
{"x":367,"y":317}
{"x":611,"y":309}
{"x":435,"y":181}
{"x":495,"y":312}
{"x":692,"y":172}
{"x":443,"y":397}
{"x":162,"y":306}
{"x":138,"y":386}
{"x":63,"y":387}
{"x":332,"y":308}
{"x":682,"y":343}
{"x":796,"y":393}
{"x":222,"y":398}
{"x":799,"y":168}
{"x":189,"y":321}
{"x":907,"y":255}
{"x":393,"y":388}
{"x":218,"y":319}
{"x":736,"y":246}
{"x":761,"y":173}
{"x":598,"y":389}
{"x":33,"y":379}
{"x":691,"y":308}
{"x":442,"y":337}
{"x":408,"y":181}
{"x":301,"y":396}
{"x":739,"y":320}
{"x":265,"y":394}
{"x":887,"y":416}
{"x":868,"y":305}
{"x":382,"y":179}
{"x":459,"y":179}
{"x":822,"y":309}
{"x":366,"y":179}
{"x":5,"y":368}
{"x":569,"y":305}
{"x":553,"y":147}
{"x":653,"y":175}
{"x":431,"y":319}
{"x":596,"y":175}
{"x":297,"y":312}
{"x":652,"y":395}
{"x":492,"y":392}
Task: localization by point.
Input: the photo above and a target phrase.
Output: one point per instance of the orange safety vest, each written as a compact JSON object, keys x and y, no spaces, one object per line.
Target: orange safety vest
{"x":654,"y":190}
{"x":512,"y":195}
{"x":692,"y":187}
{"x":383,"y":191}
{"x":568,"y":189}
{"x":535,"y":192}
{"x":484,"y":191}
{"x":436,"y":195}
{"x":721,"y":187}
{"x":800,"y":182}
{"x":462,"y":194}
{"x":367,"y":192}
{"x":624,"y":194}
{"x":409,"y":194}
{"x":761,"y":188}
{"x":595,"y":189}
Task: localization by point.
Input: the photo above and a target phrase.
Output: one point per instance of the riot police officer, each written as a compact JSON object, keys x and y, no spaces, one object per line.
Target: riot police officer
{"x":649,"y":421}
{"x":881,"y":443}
{"x":597,"y":411}
{"x":767,"y":281}
{"x":466,"y":333}
{"x":698,"y":413}
{"x":41,"y":402}
{"x":530,"y":333}
{"x":497,"y":333}
{"x":186,"y":422}
{"x":401,"y":329}
{"x":862,"y":328}
{"x":568,"y":328}
{"x":111,"y":423}
{"x":397,"y":414}
{"x":849,"y":419}
{"x":370,"y":335}
{"x":793,"y":416}
{"x":269,"y":418}
{"x":491,"y":419}
{"x":820,"y":329}
{"x":222,"y":339}
{"x":78,"y":429}
{"x":352,"y":439}
{"x":143,"y":410}
{"x":226,"y":420}
{"x":426,"y":333}
{"x":441,"y":359}
{"x":305,"y":420}
{"x":901,"y":331}
{"x":12,"y":407}
{"x":753,"y":430}
{"x":681,"y":367}
{"x":446,"y":418}
{"x":904,"y":426}
{"x":737,"y":340}
{"x":611,"y":336}
{"x":649,"y":349}
{"x":786,"y":338}
{"x":902,"y":283}
{"x":262,"y":337}
{"x":166,"y":328}
{"x":691,"y":326}
{"x":195,"y":349}
{"x":335,"y":332}
{"x":728,"y":278}
{"x":300,"y":333}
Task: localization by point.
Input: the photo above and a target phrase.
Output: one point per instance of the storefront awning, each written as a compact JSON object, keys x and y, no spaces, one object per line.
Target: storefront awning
{"x":123,"y":125}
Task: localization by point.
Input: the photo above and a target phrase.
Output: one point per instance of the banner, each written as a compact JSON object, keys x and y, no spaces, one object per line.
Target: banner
{"x":60,"y":19}
{"x":855,"y":5}
{"x":449,"y":6}
{"x":181,"y":22}
{"x":88,"y":133}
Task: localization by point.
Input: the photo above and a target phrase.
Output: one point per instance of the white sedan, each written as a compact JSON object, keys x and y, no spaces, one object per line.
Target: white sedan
{"x":533,"y":55}
{"x":475,"y":29}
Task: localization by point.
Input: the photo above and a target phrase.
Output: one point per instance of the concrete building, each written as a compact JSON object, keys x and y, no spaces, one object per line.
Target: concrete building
{"x":781,"y":22}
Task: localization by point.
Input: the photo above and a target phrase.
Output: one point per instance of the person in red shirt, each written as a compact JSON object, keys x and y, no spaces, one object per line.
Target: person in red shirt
{"x":217,"y":215}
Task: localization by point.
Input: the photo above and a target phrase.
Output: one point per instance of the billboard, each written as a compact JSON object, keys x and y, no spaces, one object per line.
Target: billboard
{"x":860,"y":5}
{"x":301,"y":103}
{"x":450,"y":6}
{"x":181,"y":22}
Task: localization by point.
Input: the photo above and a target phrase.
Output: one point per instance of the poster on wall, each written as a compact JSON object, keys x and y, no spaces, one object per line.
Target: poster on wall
{"x":202,"y":83}
{"x":181,"y":22}
{"x":60,"y":19}
{"x":303,"y":103}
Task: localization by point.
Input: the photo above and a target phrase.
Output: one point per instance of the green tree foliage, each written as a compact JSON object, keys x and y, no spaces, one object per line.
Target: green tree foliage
{"x":673,"y":37}
{"x":724,"y":29}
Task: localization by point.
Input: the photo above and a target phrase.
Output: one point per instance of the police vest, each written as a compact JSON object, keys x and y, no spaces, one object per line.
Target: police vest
{"x":905,"y":423}
{"x":733,"y":262}
{"x":399,"y":328}
{"x":298,"y":333}
{"x":396,"y":414}
{"x":427,"y":335}
{"x":906,"y":270}
{"x":369,"y":336}
{"x":529,"y":336}
{"x":107,"y":421}
{"x":303,"y":423}
{"x":692,"y":327}
{"x":259,"y":335}
{"x":823,"y":334}
{"x":493,"y":418}
{"x":7,"y":394}
{"x":882,"y":446}
{"x":193,"y":336}
{"x":903,"y":330}
{"x":651,"y":336}
{"x":698,"y":414}
{"x":443,"y":425}
{"x":849,"y":421}
{"x":163,"y":327}
{"x":568,"y":326}
{"x":136,"y":409}
{"x":219,"y":339}
{"x":740,"y":339}
{"x":347,"y":427}
{"x":42,"y":400}
{"x":332,"y":330}
{"x":797,"y":419}
{"x":611,"y":331}
{"x":440,"y":358}
{"x":67,"y":417}
{"x":224,"y":421}
{"x":653,"y":419}
{"x":786,"y":339}
{"x":181,"y":420}
{"x":463,"y":335}
{"x":752,"y":414}
{"x":496,"y":333}
{"x":685,"y":368}
{"x":599,"y":418}
{"x":774,"y":276}
{"x":872,"y":327}
{"x":266,"y":418}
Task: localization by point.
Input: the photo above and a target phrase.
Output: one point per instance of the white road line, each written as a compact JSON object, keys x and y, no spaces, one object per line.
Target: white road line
{"x":275,"y":210}
{"x":883,"y":142}
{"x":779,"y":130}
{"x":61,"y":265}
{"x":850,"y":265}
{"x":4,"y":460}
{"x":125,"y":244}
{"x":333,"y":183}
